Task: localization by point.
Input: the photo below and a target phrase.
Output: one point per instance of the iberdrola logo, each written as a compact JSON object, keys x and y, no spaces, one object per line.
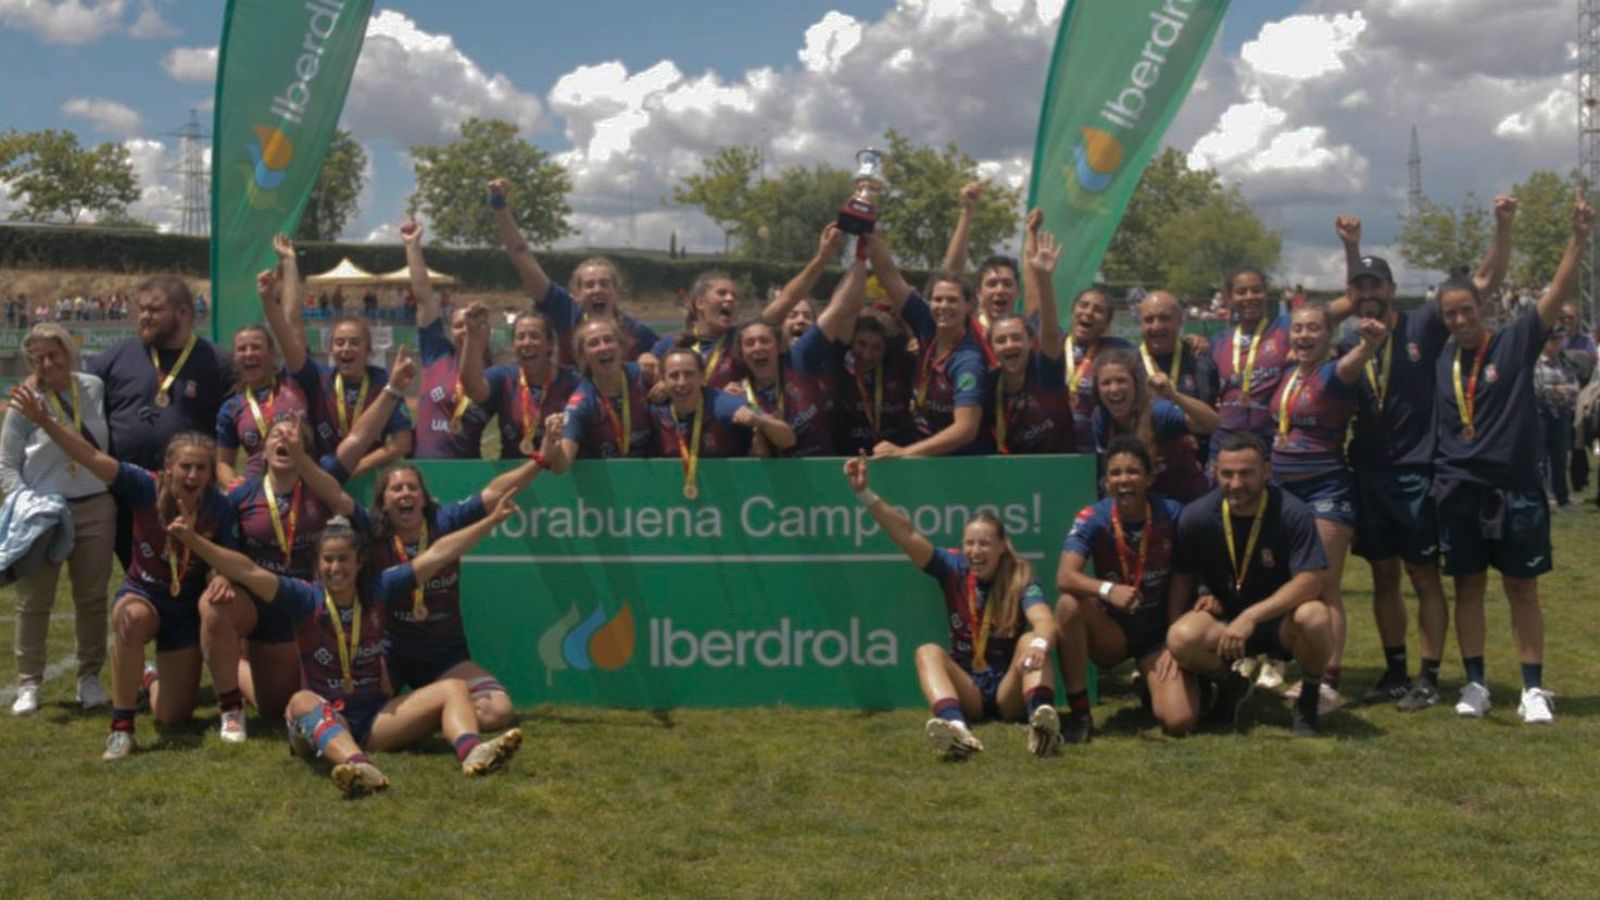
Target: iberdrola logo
{"x":270,"y":156}
{"x":587,"y":644}
{"x":1096,"y":161}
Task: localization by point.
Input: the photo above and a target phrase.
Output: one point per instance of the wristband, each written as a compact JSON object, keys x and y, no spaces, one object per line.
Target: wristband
{"x":394,"y":392}
{"x":866,"y":496}
{"x":1039,"y":644}
{"x":497,"y":202}
{"x":1105,"y":589}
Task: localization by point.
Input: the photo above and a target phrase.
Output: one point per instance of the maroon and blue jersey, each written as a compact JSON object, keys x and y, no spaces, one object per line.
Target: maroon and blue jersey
{"x":436,"y":402}
{"x":1254,"y":413}
{"x":1503,"y":451}
{"x":1081,"y":368}
{"x":319,"y":382}
{"x":1038,"y":418}
{"x":1400,"y":432}
{"x":596,"y":422}
{"x":511,"y":409}
{"x":565,"y":315}
{"x":809,"y":373}
{"x":1179,"y":474}
{"x":1094,"y":537}
{"x":442,"y":594}
{"x":306,"y":605}
{"x":716,"y":354}
{"x":954,"y":574}
{"x":720,"y":436}
{"x":1319,"y":422}
{"x":942,"y":384}
{"x":862,"y":421}
{"x":148,"y":566}
{"x":236,"y":421}
{"x":259,"y":540}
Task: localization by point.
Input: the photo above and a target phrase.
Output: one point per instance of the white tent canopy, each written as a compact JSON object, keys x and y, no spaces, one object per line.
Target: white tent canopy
{"x":346,"y":272}
{"x":402,"y":275}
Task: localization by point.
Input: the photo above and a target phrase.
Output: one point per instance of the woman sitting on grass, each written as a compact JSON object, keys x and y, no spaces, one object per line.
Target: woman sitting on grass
{"x":992,"y":669}
{"x":339,"y":626}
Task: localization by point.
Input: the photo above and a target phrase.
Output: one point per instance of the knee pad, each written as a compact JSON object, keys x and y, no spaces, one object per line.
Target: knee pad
{"x":319,"y":726}
{"x":478,"y":687}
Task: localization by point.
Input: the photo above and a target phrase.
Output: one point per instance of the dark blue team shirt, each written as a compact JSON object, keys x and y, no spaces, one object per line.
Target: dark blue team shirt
{"x":1039,"y":417}
{"x":1093,"y":538}
{"x":720,"y":436}
{"x":437,"y":401}
{"x":950,"y":568}
{"x":564,"y":314}
{"x":1254,"y":413}
{"x":726,"y":370}
{"x":140,"y":429}
{"x":1288,"y":545}
{"x":1319,"y":421}
{"x":1179,"y":474}
{"x":856,"y":393}
{"x":148,"y":567}
{"x":259,"y":540}
{"x":1085,"y":400}
{"x":959,"y":379}
{"x":809,"y":373}
{"x":305,"y":604}
{"x":236,"y":423}
{"x":442,"y":594}
{"x":1402,"y":433}
{"x":1197,"y":377}
{"x":318,"y":382}
{"x":1506,"y":413}
{"x":505,"y":401}
{"x":588,"y":424}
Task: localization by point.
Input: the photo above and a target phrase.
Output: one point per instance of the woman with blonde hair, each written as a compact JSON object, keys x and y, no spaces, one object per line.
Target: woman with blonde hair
{"x":30,"y":460}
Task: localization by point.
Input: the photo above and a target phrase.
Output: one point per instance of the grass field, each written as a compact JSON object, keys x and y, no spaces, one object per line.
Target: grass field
{"x":798,"y":803}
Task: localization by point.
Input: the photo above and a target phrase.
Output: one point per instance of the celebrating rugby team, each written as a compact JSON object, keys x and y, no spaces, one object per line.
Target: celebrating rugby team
{"x":1236,"y":476}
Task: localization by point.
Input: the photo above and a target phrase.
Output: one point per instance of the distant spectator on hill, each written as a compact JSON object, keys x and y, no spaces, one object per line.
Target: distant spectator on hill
{"x":369,"y":305}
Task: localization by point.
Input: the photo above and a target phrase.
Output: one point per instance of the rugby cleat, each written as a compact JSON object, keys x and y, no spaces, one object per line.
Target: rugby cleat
{"x":1388,"y":689}
{"x":1420,"y":695}
{"x":1078,"y":728}
{"x":1044,"y":731}
{"x":233,"y":730}
{"x":1537,"y":707}
{"x":119,"y":745}
{"x":1271,"y":675}
{"x":1474,"y":702}
{"x":359,"y":779}
{"x":952,"y":740}
{"x":491,"y":756}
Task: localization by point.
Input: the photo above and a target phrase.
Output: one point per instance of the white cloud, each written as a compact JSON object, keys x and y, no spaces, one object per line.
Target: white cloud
{"x":1552,"y":117}
{"x":150,"y":24}
{"x":829,"y":40}
{"x":1303,"y":47}
{"x":107,"y":116}
{"x":63,"y":21}
{"x":191,"y":64}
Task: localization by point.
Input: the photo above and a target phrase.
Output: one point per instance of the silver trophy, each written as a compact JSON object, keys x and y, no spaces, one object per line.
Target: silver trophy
{"x":859,"y":214}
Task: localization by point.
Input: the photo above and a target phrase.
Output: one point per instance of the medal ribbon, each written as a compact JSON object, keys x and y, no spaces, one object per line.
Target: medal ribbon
{"x":531,"y":426}
{"x":1467,"y":401}
{"x":347,"y":418}
{"x":1134,"y":579}
{"x":714,"y":358}
{"x":1078,"y":368}
{"x":1241,"y":568}
{"x":755,"y":402}
{"x":873,"y":408}
{"x":925,"y":372}
{"x":980,"y":633}
{"x":689,"y":452}
{"x":419,"y":609}
{"x":622,"y":431}
{"x":1250,"y":361}
{"x":1380,"y":381}
{"x":1174,"y":371}
{"x":1291,"y":393}
{"x":460,"y":407}
{"x":347,"y":652}
{"x":166,"y":378}
{"x":263,"y":423}
{"x":284,"y":531}
{"x":1002,"y":409}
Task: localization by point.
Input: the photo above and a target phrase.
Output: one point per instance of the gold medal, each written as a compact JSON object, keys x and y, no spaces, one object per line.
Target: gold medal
{"x":1468,"y":432}
{"x":455,"y":426}
{"x":526,"y":446}
{"x":690,"y":492}
{"x":163,"y":400}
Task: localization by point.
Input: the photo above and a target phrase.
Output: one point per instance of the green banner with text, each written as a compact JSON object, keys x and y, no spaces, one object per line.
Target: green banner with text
{"x":608,"y":588}
{"x":1119,"y":74}
{"x":282,"y":76}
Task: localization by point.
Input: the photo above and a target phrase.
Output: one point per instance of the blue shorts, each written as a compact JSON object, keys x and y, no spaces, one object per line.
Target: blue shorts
{"x":179,"y":617}
{"x":1145,"y":632}
{"x":1481,"y":526}
{"x":1396,"y":515}
{"x":273,"y":625}
{"x":988,"y":682}
{"x":1331,"y":495}
{"x":359,"y":713}
{"x":419,"y":665}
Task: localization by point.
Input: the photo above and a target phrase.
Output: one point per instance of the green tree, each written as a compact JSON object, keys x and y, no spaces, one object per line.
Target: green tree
{"x":1167,"y":188}
{"x":1439,"y":238}
{"x":451,"y":185}
{"x":50,"y":175}
{"x":722,"y":191}
{"x":922,"y":203}
{"x":1544,"y":223}
{"x":789,"y":211}
{"x":1203,"y":242}
{"x":333,"y":199}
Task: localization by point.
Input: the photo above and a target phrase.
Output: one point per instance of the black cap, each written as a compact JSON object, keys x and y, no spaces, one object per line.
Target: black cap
{"x":1375,"y":266}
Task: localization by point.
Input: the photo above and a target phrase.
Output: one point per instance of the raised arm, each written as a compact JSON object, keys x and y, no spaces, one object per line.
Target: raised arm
{"x":230,"y":564}
{"x":888,"y":274}
{"x":321,"y":482}
{"x":31,"y":405}
{"x":838,"y":320}
{"x":471,"y":368}
{"x":1491,"y":269}
{"x":1349,"y":230}
{"x":829,"y":246}
{"x":1040,"y":255}
{"x":1372,"y":333}
{"x":955,"y":255}
{"x":427,"y":300}
{"x":533,"y":276}
{"x":369,"y":426}
{"x":893,"y":521}
{"x":279,"y":291}
{"x":509,"y":484}
{"x":1567,"y":273}
{"x":451,"y":547}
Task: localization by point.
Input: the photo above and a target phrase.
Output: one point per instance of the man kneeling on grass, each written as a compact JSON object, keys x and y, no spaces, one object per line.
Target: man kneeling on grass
{"x":1256,"y":547}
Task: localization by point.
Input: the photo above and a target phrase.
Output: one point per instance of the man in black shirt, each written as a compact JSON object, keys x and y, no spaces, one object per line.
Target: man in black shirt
{"x":1257,"y":548}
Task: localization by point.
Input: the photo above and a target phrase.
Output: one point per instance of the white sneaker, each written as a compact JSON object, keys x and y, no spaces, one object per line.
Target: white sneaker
{"x":233,"y":727}
{"x":27,"y":702}
{"x":91,"y":694}
{"x":952,"y":740}
{"x":119,"y":745}
{"x":1537,"y":707}
{"x":1271,"y":674}
{"x":1474,"y":702}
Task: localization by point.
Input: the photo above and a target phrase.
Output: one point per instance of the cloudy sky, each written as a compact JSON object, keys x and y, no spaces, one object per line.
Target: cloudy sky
{"x":1307,"y":106}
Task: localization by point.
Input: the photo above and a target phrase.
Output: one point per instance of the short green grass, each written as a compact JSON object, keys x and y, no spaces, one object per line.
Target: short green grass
{"x":801,"y":803}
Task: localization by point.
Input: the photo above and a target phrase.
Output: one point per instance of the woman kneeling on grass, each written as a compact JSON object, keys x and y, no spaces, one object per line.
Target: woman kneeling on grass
{"x":991,"y":669}
{"x":346,"y":703}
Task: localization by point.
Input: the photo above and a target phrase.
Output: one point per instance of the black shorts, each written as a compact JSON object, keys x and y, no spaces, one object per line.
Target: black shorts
{"x":419,"y":665}
{"x":273,"y":625}
{"x":1521,"y":549}
{"x":1267,"y":639}
{"x":360,"y":713}
{"x":1396,"y":515}
{"x":1146,"y":632}
{"x":179,"y":617}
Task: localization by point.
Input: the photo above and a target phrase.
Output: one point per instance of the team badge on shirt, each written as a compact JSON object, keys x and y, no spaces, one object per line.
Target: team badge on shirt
{"x":1413,"y":351}
{"x":1266,"y":557}
{"x":966,"y":382}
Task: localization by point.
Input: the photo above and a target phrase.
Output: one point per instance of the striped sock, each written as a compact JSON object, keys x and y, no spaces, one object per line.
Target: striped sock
{"x":1040,"y":696}
{"x":357,"y":759}
{"x":948,"y":709}
{"x":150,"y":676}
{"x":230,"y":701}
{"x":121,"y":719}
{"x":465,"y":743}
